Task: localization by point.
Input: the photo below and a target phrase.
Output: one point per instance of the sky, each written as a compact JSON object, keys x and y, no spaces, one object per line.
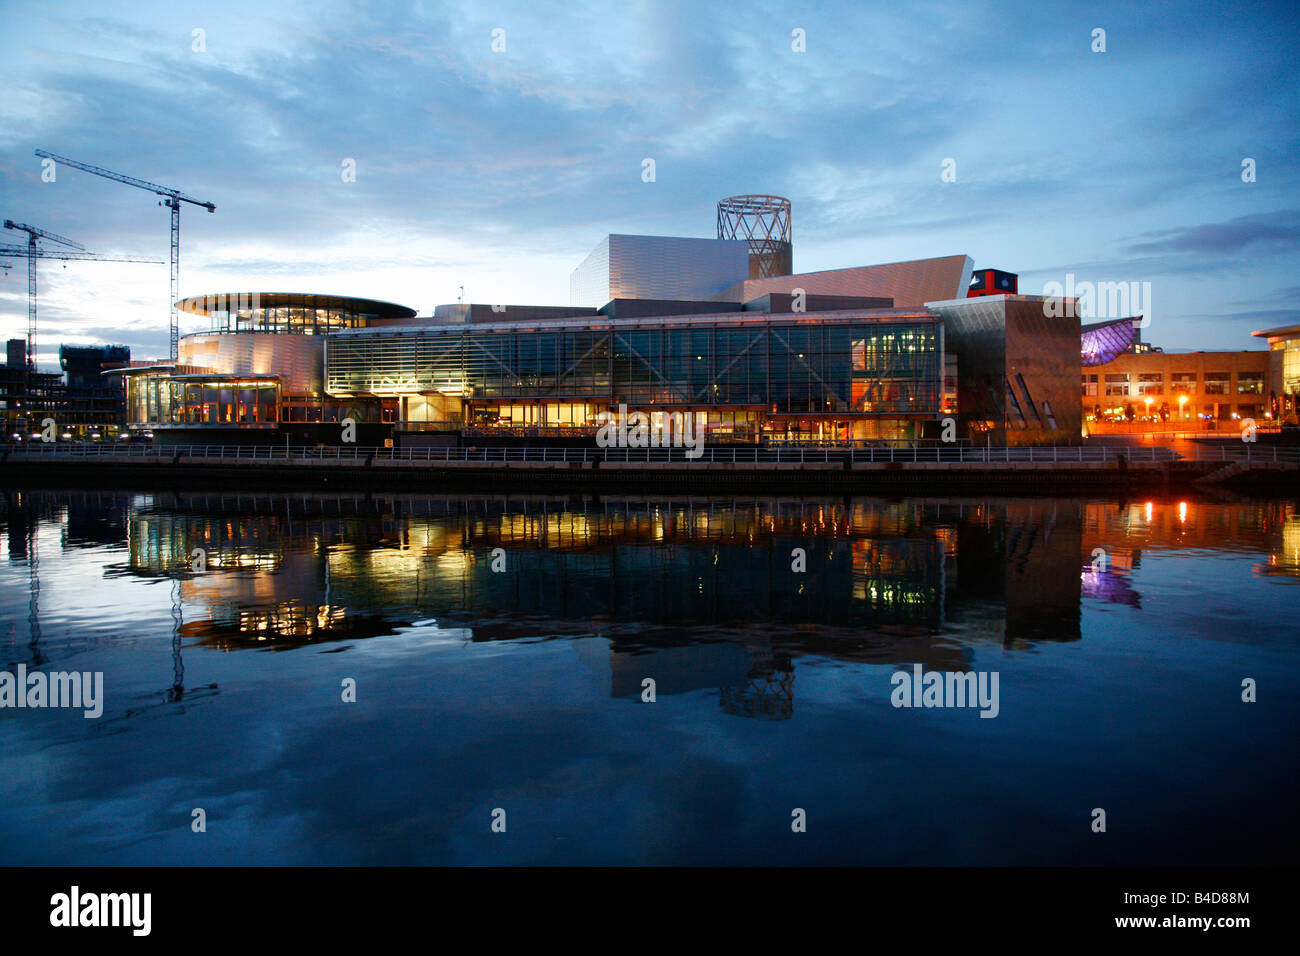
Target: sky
{"x":499,"y":169}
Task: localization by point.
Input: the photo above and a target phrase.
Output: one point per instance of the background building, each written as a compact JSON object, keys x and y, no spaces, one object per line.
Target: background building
{"x":92,"y":405}
{"x":1171,"y":390}
{"x":27,"y":397}
{"x":84,"y":405}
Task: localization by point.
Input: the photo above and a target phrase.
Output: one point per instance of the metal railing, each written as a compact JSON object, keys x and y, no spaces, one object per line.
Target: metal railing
{"x":726,"y":454}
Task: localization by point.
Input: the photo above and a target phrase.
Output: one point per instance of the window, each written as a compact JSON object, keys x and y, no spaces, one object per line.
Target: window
{"x":1029,"y":399}
{"x":1151,"y":383}
{"x":1020,"y":421}
{"x":1117,"y":383}
{"x":1090,"y":385}
{"x":1250,"y":383}
{"x":1182,"y":383}
{"x":1216,"y":383}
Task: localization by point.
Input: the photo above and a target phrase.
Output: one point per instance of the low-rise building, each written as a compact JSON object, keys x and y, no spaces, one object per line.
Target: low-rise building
{"x":1143,"y":388}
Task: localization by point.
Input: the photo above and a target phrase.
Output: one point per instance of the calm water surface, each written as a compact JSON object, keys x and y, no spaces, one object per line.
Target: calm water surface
{"x":521,"y":688}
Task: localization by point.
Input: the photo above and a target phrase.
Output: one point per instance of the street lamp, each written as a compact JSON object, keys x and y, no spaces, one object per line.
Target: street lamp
{"x":1182,"y":401}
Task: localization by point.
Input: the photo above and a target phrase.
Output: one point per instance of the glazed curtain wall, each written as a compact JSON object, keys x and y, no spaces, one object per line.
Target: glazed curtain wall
{"x":157,"y":399}
{"x":872,"y":367}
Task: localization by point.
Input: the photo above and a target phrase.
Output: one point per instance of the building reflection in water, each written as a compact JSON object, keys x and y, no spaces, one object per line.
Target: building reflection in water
{"x":1285,"y":559}
{"x":696,"y":593}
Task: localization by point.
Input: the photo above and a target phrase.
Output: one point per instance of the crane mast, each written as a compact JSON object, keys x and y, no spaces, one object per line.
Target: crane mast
{"x":172,"y":199}
{"x":33,"y":253}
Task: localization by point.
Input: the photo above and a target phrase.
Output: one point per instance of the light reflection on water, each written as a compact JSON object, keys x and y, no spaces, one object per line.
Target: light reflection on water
{"x":522,"y":688}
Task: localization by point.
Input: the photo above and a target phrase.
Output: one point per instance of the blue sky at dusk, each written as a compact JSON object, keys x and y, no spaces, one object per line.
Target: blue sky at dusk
{"x":499,"y":171}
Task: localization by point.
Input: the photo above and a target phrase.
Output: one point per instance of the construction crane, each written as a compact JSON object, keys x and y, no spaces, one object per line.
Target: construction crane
{"x":32,"y":252}
{"x":33,"y":234}
{"x":172,"y":199}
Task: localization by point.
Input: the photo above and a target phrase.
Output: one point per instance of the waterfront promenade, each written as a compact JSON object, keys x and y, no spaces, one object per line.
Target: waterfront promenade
{"x":1030,"y":468}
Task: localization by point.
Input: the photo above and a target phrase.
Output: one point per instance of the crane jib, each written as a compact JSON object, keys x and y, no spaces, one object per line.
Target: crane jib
{"x":166,"y":191}
{"x":172,"y":198}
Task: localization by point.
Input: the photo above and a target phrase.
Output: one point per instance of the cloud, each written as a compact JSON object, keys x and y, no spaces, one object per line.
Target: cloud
{"x":1258,"y":319}
{"x":1262,"y":232}
{"x":500,"y":171}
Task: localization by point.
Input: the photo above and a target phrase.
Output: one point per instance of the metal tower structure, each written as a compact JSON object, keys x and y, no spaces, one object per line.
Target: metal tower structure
{"x":764,"y":221}
{"x":31,"y":252}
{"x":172,"y":199}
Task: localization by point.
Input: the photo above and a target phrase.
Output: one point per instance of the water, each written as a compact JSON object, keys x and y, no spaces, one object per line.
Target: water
{"x":1120,"y":687}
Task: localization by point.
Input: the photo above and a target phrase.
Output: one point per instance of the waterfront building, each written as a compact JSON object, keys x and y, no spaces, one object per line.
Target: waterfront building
{"x":1284,"y":371}
{"x":836,"y":375}
{"x":1154,"y":390}
{"x":675,"y":328}
{"x":257,"y":375}
{"x":1016,"y":357}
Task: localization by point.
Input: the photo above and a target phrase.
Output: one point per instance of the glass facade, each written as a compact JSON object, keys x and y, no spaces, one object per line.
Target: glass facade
{"x":166,"y":400}
{"x":298,"y":313}
{"x":780,"y":366}
{"x":162,"y":400}
{"x":1290,"y":365}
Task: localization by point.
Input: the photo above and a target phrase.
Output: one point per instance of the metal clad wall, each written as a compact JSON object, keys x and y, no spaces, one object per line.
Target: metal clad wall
{"x":1010,"y":343}
{"x":658,"y":267}
{"x":974,"y":331}
{"x":299,"y":360}
{"x":668,"y":267}
{"x":909,"y":284}
{"x":589,"y":283}
{"x":1043,"y":358}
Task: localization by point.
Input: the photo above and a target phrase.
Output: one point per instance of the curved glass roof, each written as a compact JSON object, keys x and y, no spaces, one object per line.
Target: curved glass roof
{"x":243,"y":301}
{"x":1102,"y":342}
